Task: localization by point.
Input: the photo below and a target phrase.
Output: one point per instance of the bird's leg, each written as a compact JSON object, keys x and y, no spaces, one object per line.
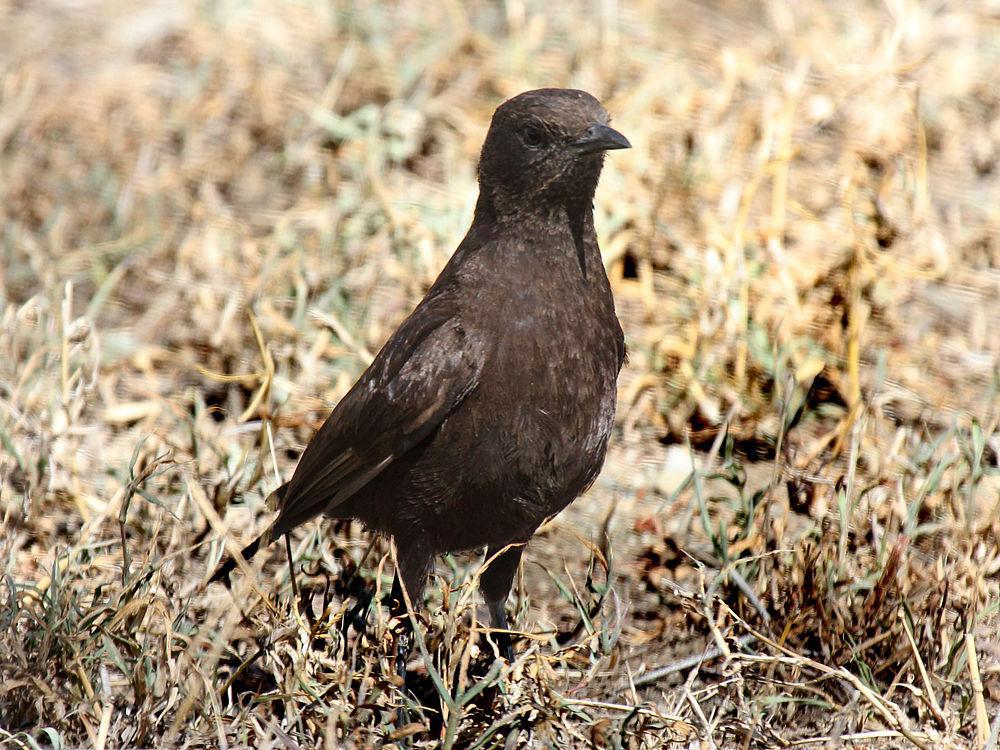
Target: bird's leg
{"x":404,"y":639}
{"x":499,"y":622}
{"x":404,"y":633}
{"x":363,"y":595}
{"x":412,"y":565}
{"x":495,"y":583}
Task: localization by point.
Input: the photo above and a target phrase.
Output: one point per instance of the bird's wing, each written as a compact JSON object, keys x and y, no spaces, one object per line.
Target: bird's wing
{"x":421,"y":375}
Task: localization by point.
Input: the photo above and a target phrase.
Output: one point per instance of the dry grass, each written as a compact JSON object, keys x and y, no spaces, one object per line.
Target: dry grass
{"x":214,"y":212}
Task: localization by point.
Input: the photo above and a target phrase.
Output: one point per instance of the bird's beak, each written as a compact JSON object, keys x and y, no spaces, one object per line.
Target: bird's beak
{"x":600,"y":138}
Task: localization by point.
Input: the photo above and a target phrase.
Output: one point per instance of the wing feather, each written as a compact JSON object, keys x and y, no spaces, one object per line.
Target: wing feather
{"x":419,"y":378}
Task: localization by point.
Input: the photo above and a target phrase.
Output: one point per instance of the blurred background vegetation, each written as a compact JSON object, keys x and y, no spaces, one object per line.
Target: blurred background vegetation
{"x":213,"y":213}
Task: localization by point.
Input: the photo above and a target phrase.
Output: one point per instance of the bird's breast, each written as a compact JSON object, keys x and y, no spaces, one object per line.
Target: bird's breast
{"x":547,"y":396}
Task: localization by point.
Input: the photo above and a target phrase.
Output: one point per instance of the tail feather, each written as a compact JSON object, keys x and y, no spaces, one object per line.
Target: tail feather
{"x":223,"y":571}
{"x":275,"y":499}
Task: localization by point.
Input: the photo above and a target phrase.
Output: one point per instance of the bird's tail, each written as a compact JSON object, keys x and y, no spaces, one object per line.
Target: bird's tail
{"x":275,"y":499}
{"x":223,"y":571}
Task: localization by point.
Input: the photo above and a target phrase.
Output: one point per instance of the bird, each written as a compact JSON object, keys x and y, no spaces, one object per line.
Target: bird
{"x":490,"y":408}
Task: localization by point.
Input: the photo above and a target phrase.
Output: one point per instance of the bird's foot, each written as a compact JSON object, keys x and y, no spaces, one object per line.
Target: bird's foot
{"x":403,"y":642}
{"x":501,"y":629}
{"x":505,"y":645}
{"x":357,"y":616}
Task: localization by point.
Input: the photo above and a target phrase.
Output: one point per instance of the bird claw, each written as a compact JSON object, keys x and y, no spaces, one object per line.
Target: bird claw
{"x":403,"y":641}
{"x":507,"y":648}
{"x":504,"y":645}
{"x":501,"y":629}
{"x":357,"y":616}
{"x":404,"y":636}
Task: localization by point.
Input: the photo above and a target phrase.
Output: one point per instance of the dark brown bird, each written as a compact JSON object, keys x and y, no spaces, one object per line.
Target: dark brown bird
{"x":490,"y":408}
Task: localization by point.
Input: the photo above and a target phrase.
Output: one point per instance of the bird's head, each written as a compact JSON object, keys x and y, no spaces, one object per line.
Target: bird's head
{"x":545,"y":149}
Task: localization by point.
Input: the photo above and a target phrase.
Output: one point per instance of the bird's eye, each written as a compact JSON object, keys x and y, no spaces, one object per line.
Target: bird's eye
{"x":533,"y":136}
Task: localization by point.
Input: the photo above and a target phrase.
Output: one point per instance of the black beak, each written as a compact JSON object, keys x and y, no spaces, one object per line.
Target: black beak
{"x":600,"y":138}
